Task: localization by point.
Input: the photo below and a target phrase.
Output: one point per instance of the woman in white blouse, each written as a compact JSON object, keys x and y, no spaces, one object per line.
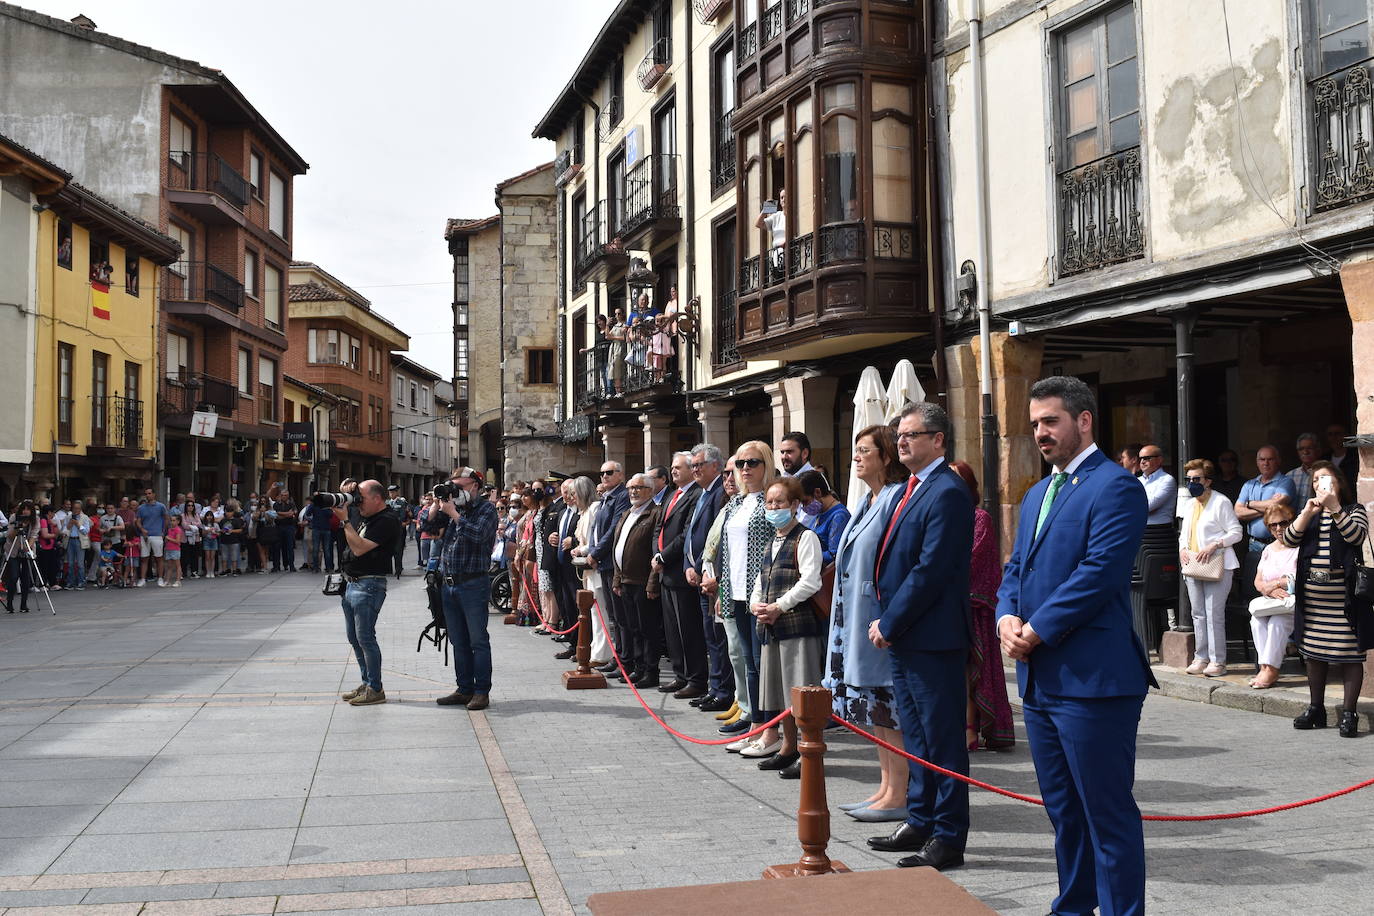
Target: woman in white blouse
{"x":1209,"y":526}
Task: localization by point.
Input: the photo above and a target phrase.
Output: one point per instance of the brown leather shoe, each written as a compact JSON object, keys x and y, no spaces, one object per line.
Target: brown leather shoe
{"x":478,"y":701}
{"x":689,"y":693}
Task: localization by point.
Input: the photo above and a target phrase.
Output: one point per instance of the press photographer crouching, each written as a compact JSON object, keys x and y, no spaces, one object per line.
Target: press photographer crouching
{"x":370,"y":539}
{"x":465,"y":529}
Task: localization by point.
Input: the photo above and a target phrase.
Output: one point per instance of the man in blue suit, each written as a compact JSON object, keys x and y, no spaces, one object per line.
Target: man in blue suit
{"x":921,"y":574}
{"x":1064,"y":615}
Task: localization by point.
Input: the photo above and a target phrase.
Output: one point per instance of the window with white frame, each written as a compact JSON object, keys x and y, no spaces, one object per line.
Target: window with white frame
{"x":178,"y":355}
{"x":271,"y":297}
{"x":276,"y":204}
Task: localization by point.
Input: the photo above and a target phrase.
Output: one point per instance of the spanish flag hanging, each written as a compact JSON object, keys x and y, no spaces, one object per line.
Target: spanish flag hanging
{"x":100,"y":299}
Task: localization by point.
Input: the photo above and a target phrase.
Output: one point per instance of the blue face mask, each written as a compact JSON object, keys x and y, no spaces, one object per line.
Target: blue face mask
{"x":778,"y":518}
{"x":815,"y":507}
{"x":1195,"y":489}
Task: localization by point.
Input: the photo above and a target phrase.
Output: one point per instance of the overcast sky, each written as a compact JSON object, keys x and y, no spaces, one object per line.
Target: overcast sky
{"x":409,"y":112}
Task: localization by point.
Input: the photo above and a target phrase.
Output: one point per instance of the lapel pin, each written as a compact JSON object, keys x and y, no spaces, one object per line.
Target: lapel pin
{"x":1074,"y":481}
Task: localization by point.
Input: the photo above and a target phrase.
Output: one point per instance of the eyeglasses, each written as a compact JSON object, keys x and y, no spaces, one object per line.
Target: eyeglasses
{"x":742,"y":463}
{"x":637,"y":487}
{"x":864,"y":450}
{"x":607,"y":473}
{"x":697,"y":465}
{"x":907,"y":437}
{"x":1151,"y":457}
{"x":1197,"y":479}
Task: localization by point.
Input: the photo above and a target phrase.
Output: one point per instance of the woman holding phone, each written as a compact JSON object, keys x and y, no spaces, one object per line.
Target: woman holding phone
{"x":1331,"y":626}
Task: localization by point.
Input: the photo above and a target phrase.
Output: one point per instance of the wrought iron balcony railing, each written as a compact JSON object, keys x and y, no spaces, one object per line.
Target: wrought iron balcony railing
{"x":727,"y":349}
{"x":564,"y":168}
{"x":749,"y":275}
{"x":797,"y":10}
{"x":723,"y":153}
{"x":609,"y":119}
{"x":592,"y":383}
{"x":206,"y":172}
{"x":1344,"y":129}
{"x":894,"y":241}
{"x":192,"y":391}
{"x":198,"y":281}
{"x":655,"y":64}
{"x":651,"y":191}
{"x":708,"y":10}
{"x":841,"y":242}
{"x":1100,"y":213}
{"x":748,"y":41}
{"x":772,"y":22}
{"x":267,"y":403}
{"x":800,"y":255}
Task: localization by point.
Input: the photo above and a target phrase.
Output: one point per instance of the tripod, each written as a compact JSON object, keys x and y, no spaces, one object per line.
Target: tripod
{"x":20,"y":551}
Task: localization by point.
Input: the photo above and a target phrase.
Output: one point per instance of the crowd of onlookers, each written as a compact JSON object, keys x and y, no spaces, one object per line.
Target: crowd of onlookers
{"x":76,"y":544}
{"x":1283,"y":545}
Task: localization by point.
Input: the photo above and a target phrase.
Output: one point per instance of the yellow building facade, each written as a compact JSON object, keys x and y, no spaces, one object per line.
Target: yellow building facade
{"x":96,"y":349}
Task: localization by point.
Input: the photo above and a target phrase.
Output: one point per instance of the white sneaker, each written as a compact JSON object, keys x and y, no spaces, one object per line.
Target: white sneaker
{"x":210,"y":575}
{"x":139,"y":584}
{"x":161,"y":583}
{"x":176,"y":584}
{"x":736,"y":746}
{"x":1198,"y":666}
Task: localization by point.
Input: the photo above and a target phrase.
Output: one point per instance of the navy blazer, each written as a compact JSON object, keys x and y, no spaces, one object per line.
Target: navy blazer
{"x":672,"y":530}
{"x":1073,"y":584}
{"x":704,"y":515}
{"x":613,"y":505}
{"x":923,"y":575}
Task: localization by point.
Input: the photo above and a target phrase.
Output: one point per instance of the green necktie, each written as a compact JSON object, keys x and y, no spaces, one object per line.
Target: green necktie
{"x":1056,"y":483}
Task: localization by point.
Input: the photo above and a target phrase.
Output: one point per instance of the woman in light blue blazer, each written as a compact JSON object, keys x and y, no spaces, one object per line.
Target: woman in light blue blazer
{"x":859,"y":674}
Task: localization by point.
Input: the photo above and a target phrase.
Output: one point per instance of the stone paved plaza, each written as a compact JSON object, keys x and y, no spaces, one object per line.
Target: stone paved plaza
{"x":183,"y":751}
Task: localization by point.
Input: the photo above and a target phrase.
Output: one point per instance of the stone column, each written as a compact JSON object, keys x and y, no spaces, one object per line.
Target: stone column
{"x":658,"y":442}
{"x":1357,"y":280}
{"x":613,"y":442}
{"x":777,"y":395}
{"x":811,"y":409}
{"x":962,"y":399}
{"x":715,"y":423}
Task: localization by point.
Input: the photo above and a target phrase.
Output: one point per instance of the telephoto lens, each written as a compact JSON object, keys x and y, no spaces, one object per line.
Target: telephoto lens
{"x":333,"y":500}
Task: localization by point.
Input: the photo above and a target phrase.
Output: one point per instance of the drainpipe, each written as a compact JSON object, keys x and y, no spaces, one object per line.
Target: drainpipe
{"x":596,"y":199}
{"x":690,"y":225}
{"x":990,"y":440}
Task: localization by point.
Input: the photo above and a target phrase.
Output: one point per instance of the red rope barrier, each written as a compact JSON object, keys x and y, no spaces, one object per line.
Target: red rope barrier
{"x":596,"y":605}
{"x":1144,"y":817}
{"x":535,"y":605}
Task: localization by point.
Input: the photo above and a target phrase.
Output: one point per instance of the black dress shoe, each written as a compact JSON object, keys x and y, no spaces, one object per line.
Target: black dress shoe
{"x":699,"y":700}
{"x":1349,"y":724}
{"x":672,"y":686}
{"x":779,"y":761}
{"x":791,"y":771}
{"x":645,"y":681}
{"x":716,"y":704}
{"x":614,"y":676}
{"x":905,"y":838}
{"x":612,"y":668}
{"x":935,"y":854}
{"x":1312,"y":717}
{"x":566,"y":653}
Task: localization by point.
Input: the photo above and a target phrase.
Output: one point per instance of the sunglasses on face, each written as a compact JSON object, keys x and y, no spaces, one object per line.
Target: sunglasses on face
{"x":742,"y":463}
{"x":1277,"y":526}
{"x":607,"y":473}
{"x":1196,"y":479}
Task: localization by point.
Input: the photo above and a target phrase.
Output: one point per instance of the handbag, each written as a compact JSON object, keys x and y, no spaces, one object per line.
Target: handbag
{"x":334,"y":584}
{"x":1209,"y":571}
{"x":1363,"y":586}
{"x":825,"y":595}
{"x":1264,"y":606}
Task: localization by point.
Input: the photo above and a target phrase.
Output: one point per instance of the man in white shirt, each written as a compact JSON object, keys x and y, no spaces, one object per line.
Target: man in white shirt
{"x":776,"y":224}
{"x":1161,"y":490}
{"x":1308,"y":453}
{"x":794,"y":459}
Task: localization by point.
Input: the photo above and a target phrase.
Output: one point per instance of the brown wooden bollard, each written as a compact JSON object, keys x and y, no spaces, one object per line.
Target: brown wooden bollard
{"x":811,"y":709}
{"x":584,"y":678}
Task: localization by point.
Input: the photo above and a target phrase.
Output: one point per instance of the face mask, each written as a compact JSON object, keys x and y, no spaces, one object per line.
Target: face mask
{"x":461,"y":498}
{"x":1195,"y":489}
{"x":815,"y":507}
{"x":778,"y":518}
{"x":515,"y":513}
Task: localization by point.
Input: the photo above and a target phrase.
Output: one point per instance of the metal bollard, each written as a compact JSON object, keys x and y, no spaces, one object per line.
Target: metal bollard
{"x":811,"y":709}
{"x":584,"y":678}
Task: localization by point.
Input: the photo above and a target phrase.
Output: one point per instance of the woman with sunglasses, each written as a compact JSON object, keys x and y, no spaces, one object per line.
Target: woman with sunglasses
{"x":745,"y":536}
{"x":1209,"y":527}
{"x":1271,"y":614}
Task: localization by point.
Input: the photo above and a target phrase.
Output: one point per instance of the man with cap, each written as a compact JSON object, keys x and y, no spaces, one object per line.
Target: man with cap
{"x":397,"y":503}
{"x":465,"y":524}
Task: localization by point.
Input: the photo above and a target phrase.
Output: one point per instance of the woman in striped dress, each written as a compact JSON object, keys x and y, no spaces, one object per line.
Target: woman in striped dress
{"x":1330,"y":627}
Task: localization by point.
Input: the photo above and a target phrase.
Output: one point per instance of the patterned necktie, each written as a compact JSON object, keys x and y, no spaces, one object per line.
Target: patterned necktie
{"x":1056,"y":483}
{"x":911,"y":483}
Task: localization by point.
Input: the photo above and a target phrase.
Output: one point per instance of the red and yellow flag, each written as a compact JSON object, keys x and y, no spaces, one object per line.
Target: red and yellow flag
{"x":100,"y":299}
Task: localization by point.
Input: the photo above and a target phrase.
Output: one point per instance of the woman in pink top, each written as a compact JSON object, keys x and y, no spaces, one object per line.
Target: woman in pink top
{"x":1277,"y":565}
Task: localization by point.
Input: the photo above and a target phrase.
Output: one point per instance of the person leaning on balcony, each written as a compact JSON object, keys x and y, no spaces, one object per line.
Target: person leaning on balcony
{"x":1332,"y":625}
{"x":616,"y":334}
{"x":599,"y":372}
{"x":1271,"y":614}
{"x":1209,"y":525}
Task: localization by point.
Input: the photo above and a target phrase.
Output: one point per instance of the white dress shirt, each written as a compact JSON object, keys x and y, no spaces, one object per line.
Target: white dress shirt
{"x":631,"y":518}
{"x":1161,"y":491}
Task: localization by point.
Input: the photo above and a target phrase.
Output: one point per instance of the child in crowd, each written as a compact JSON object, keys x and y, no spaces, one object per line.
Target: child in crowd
{"x":209,"y":544}
{"x":171,"y":553}
{"x":661,"y":347}
{"x":107,"y":573}
{"x":133,"y":543}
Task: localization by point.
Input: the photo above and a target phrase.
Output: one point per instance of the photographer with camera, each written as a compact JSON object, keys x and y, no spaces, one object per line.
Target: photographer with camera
{"x":370,"y":539}
{"x":468,"y":525}
{"x":19,"y":556}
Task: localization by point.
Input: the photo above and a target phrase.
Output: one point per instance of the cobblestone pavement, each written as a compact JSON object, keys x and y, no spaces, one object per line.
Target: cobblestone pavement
{"x":183,"y":751}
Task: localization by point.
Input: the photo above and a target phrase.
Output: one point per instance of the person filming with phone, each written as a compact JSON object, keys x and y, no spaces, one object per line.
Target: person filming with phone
{"x":370,"y":540}
{"x":465,"y":524}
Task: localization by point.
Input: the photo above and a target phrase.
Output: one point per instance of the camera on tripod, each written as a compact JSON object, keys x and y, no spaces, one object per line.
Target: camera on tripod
{"x":333,"y":500}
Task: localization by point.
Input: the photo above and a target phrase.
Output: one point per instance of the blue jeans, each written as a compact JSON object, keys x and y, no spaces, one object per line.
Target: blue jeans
{"x":425,"y":544}
{"x":753,"y":653}
{"x":362,"y":603}
{"x":323,"y":543}
{"x":465,"y":614}
{"x":76,"y":564}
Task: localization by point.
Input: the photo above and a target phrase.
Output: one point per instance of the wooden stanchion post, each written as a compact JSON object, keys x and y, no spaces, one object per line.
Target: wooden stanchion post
{"x":584,"y":678}
{"x":811,"y":709}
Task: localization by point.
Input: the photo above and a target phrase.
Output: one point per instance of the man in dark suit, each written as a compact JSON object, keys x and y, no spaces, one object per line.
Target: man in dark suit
{"x":566,"y":581}
{"x":706,"y":464}
{"x":614,"y":501}
{"x":1064,"y":615}
{"x":921,"y":577}
{"x":681,"y":612}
